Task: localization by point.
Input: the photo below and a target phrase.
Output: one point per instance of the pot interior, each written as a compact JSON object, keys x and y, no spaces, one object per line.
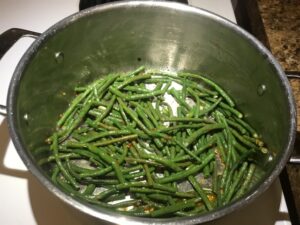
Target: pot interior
{"x":109,"y":39}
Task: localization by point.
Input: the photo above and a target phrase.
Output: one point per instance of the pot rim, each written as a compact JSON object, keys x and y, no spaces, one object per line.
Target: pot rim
{"x":114,"y":217}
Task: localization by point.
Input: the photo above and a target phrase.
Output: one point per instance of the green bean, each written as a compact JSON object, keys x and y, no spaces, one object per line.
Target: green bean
{"x":241,"y":149}
{"x":173,"y":208}
{"x":132,"y":115}
{"x":115,"y":140}
{"x":123,"y":138}
{"x":125,"y":204}
{"x":148,"y":124}
{"x":211,"y":83}
{"x":193,"y":212}
{"x":243,"y":140}
{"x":247,"y":127}
{"x":102,"y":154}
{"x":142,"y":96}
{"x":136,"y":96}
{"x":72,"y":172}
{"x":118,"y":172}
{"x":146,"y":190}
{"x":237,"y":126}
{"x":178,"y":127}
{"x":246,"y":183}
{"x":123,"y":114}
{"x":80,"y":89}
{"x":127,"y":185}
{"x":137,"y":175}
{"x":132,"y":169}
{"x":107,"y":110}
{"x":133,"y":79}
{"x":54,"y":175}
{"x":220,"y":141}
{"x":161,"y":160}
{"x":180,"y":101}
{"x":255,"y":141}
{"x":59,"y":156}
{"x":136,"y":89}
{"x":205,"y":146}
{"x":202,"y":131}
{"x":148,"y":175}
{"x":164,"y":187}
{"x":104,"y":194}
{"x":115,"y":197}
{"x":76,"y":122}
{"x":187,"y":150}
{"x":200,"y":191}
{"x":232,"y":189}
{"x":69,"y":121}
{"x":94,"y":158}
{"x":135,"y":160}
{"x":151,"y":117}
{"x":92,"y":123}
{"x":103,"y":182}
{"x":110,"y":79}
{"x":67,"y":175}
{"x":184,"y":119}
{"x":185,"y":173}
{"x":210,"y":108}
{"x":121,"y":159}
{"x":97,"y":172}
{"x":153,"y":111}
{"x":174,"y":77}
{"x":159,"y":197}
{"x":227,"y":108}
{"x":75,"y":102}
{"x":112,"y":133}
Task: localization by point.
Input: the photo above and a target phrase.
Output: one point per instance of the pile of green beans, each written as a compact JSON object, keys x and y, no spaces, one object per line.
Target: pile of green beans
{"x":122,"y":145}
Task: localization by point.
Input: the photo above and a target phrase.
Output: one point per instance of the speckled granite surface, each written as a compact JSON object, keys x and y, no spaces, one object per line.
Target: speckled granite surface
{"x":282,"y":24}
{"x":281,"y":20}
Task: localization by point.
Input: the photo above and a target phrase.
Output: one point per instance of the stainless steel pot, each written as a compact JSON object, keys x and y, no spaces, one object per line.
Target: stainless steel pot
{"x":161,"y":35}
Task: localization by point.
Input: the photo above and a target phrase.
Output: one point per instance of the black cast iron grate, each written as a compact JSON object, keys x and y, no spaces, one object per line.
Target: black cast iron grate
{"x":89,"y":3}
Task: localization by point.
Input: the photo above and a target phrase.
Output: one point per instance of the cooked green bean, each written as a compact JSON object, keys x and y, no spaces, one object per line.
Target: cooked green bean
{"x":246,"y":183}
{"x":201,"y":193}
{"x":134,"y":78}
{"x":153,"y":144}
{"x":202,"y":131}
{"x":67,"y":175}
{"x":173,"y":208}
{"x":107,"y":110}
{"x":75,"y":102}
{"x":189,"y":171}
{"x":99,"y":135}
{"x":232,"y":189}
{"x":211,"y":83}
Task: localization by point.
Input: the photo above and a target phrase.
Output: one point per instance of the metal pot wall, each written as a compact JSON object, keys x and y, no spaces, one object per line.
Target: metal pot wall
{"x":161,"y":35}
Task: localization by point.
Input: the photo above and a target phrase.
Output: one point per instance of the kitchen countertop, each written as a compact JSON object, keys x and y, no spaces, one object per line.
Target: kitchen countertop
{"x":281,"y":22}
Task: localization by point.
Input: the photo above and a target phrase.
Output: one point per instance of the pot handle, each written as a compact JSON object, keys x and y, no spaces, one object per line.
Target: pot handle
{"x":2,"y":110}
{"x":11,"y":36}
{"x":7,"y":40}
{"x":295,"y":158}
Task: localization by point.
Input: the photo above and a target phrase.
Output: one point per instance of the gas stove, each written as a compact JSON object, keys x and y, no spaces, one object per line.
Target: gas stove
{"x":23,"y":199}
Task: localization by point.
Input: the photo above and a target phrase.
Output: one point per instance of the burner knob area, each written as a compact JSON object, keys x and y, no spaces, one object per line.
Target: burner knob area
{"x":83,"y":4}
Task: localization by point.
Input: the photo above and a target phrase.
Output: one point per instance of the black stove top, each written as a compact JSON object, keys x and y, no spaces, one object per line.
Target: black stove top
{"x":89,"y":3}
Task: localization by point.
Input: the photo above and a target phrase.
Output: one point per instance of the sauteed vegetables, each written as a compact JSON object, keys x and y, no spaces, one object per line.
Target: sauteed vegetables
{"x":154,"y":144}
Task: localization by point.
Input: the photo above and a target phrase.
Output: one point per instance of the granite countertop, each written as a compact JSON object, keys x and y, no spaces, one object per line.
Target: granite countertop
{"x":281,"y":22}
